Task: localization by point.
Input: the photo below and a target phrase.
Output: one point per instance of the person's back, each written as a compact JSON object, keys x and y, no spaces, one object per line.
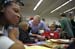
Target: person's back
{"x":73,"y":26}
{"x":66,"y":25}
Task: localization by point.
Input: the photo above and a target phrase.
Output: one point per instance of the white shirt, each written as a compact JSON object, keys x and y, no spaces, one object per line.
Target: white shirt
{"x":5,"y":42}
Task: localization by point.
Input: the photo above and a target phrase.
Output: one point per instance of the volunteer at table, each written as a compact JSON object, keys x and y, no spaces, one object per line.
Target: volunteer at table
{"x":37,"y":24}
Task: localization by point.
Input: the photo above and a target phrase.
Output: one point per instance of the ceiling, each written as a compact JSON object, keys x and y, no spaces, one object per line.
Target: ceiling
{"x":45,"y":8}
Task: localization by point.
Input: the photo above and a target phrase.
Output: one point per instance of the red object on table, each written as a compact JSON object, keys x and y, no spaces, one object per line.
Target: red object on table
{"x":52,"y":35}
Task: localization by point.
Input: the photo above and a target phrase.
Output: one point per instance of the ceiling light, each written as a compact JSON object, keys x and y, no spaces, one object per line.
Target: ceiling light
{"x":60,"y":6}
{"x":69,"y":10}
{"x":37,"y":5}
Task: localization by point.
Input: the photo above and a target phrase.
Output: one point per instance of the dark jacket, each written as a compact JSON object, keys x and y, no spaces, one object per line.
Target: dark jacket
{"x":24,"y":36}
{"x":66,"y":26}
{"x":73,"y":26}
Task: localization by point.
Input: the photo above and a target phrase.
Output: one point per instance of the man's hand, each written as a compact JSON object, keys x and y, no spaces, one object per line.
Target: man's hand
{"x":40,"y":37}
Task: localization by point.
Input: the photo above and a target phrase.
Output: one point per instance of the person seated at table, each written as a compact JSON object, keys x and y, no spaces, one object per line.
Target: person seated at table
{"x":24,"y":30}
{"x":8,"y":15}
{"x":36,"y":24}
{"x":52,"y":34}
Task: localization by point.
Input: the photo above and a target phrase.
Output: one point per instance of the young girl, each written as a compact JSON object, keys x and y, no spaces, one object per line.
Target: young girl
{"x":9,"y":14}
{"x":52,"y":34}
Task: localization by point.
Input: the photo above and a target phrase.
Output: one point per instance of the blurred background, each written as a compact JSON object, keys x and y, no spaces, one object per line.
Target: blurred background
{"x":48,"y":9}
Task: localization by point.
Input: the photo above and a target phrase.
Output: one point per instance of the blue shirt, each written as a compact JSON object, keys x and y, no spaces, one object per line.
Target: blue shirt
{"x":41,"y":25}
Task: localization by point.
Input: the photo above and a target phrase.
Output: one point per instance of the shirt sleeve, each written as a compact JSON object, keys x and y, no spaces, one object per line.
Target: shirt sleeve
{"x":62,"y":24}
{"x":5,"y":42}
{"x":45,"y":26}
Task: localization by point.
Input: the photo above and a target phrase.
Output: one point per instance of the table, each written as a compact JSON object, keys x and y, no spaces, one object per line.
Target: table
{"x":51,"y":44}
{"x":36,"y":47}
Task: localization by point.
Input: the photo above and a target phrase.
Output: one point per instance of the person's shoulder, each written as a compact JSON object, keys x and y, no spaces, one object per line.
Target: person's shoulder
{"x":63,"y":19}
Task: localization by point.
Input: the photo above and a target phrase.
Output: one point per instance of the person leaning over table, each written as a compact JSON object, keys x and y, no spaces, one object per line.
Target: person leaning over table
{"x":8,"y":15}
{"x":37,"y":24}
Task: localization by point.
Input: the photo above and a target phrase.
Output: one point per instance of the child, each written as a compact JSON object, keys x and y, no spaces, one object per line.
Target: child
{"x":24,"y":33}
{"x":52,"y":34}
{"x":9,"y":14}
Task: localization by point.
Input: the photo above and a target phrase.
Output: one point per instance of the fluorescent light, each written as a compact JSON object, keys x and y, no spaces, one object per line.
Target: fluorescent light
{"x":69,"y":10}
{"x":38,"y":4}
{"x":60,"y":6}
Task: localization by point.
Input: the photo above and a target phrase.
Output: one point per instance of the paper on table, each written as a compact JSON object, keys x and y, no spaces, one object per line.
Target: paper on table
{"x":41,"y":31}
{"x":36,"y":47}
{"x":54,"y":40}
{"x":39,"y":43}
{"x":64,"y":40}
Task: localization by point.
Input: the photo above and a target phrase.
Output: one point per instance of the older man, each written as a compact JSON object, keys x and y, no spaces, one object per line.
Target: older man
{"x":37,"y":24}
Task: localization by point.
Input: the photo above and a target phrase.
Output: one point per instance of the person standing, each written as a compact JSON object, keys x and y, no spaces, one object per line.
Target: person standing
{"x":72,"y":22}
{"x":66,"y":25}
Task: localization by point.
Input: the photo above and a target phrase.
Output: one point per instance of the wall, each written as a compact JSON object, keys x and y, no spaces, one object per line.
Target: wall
{"x":49,"y":20}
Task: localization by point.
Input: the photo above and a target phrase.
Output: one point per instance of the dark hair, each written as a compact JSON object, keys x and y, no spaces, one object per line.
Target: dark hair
{"x":4,"y":4}
{"x":63,"y":15}
{"x":70,"y":14}
{"x":43,"y":19}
